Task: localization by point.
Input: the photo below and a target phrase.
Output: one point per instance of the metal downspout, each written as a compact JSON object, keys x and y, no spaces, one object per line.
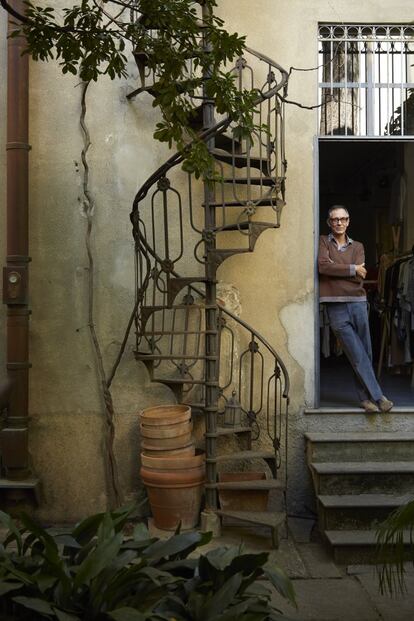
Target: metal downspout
{"x":15,"y":469}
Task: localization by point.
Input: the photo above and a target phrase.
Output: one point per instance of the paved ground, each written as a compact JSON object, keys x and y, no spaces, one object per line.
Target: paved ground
{"x":324,"y":591}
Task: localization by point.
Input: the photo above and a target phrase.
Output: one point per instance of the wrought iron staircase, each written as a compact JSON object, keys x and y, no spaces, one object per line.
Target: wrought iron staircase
{"x":234,"y":380}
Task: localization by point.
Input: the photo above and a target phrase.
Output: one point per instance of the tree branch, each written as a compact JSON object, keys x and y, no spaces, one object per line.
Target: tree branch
{"x":11,"y":11}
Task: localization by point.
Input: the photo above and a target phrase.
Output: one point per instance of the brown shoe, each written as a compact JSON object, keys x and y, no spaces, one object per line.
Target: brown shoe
{"x":369,"y":406}
{"x":384,"y":404}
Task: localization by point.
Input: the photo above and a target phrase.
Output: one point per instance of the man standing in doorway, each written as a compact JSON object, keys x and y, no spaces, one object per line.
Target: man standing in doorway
{"x":341,"y":264}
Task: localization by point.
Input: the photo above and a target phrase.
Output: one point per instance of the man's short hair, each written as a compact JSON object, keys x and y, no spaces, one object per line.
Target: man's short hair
{"x":334,"y":207}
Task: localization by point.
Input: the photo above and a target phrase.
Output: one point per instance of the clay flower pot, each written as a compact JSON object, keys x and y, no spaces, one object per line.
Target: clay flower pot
{"x":185,"y":451}
{"x":175,"y":488}
{"x":165,"y":415}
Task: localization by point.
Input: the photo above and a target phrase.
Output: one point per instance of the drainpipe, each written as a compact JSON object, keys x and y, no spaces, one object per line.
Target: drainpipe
{"x":16,"y":478}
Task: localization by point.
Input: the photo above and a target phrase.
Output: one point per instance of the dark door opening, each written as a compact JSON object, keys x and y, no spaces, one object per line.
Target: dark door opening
{"x":375,"y":181}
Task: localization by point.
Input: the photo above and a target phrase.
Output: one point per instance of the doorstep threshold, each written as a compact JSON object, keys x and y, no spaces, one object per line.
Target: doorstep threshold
{"x":397,"y":409}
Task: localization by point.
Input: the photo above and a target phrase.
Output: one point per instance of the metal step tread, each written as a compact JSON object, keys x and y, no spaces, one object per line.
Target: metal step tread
{"x":266,"y":181}
{"x":359,"y":436}
{"x":265,"y":518}
{"x":177,"y":381}
{"x":341,"y":538}
{"x":367,"y":467}
{"x":261,"y":484}
{"x":29,"y":483}
{"x":246,"y":455}
{"x":358,"y":501}
{"x":241,"y":161}
{"x":161,"y":356}
{"x":226,"y":431}
{"x":257,"y":202}
{"x":243,"y":226}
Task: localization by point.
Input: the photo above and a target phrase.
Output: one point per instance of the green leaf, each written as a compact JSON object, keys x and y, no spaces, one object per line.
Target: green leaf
{"x":65,"y":616}
{"x":223,"y":598}
{"x":141,"y":533}
{"x":14,"y":534}
{"x":281,"y":582}
{"x":126,"y":614}
{"x":99,"y":558}
{"x":6,"y":587}
{"x":34,"y":603}
{"x":178,"y":544}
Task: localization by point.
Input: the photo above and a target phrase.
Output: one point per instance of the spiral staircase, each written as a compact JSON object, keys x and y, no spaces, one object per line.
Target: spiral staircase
{"x":186,"y":336}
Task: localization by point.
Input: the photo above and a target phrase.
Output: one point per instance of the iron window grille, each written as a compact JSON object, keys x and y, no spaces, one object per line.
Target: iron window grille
{"x":366,"y":80}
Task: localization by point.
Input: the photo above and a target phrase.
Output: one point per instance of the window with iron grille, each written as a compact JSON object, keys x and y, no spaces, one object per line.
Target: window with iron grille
{"x":366,"y":80}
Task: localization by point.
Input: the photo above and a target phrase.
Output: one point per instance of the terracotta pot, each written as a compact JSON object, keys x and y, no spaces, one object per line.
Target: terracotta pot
{"x":173,"y":463}
{"x":165,"y":415}
{"x":154,"y":444}
{"x":246,"y":499}
{"x":166,"y":431}
{"x":174,"y":492}
{"x":185,"y":451}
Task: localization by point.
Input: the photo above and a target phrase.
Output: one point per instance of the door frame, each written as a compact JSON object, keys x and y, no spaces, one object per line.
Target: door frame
{"x":316,"y":211}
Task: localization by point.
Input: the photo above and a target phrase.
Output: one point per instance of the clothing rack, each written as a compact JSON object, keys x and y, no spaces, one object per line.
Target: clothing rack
{"x":386,"y":325}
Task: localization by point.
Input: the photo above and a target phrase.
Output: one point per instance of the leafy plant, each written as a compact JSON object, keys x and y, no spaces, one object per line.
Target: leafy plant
{"x":95,"y":573}
{"x":181,"y":44}
{"x":392,"y":539}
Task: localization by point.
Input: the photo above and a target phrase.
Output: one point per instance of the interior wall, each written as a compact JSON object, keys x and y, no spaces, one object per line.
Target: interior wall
{"x":409,"y":201}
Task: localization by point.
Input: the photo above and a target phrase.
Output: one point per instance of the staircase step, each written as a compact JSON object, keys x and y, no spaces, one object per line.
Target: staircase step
{"x":358,"y":501}
{"x":363,"y":467}
{"x":265,"y":181}
{"x":225,"y":142}
{"x":265,"y":518}
{"x":177,"y":381}
{"x":245,"y":455}
{"x":263,"y":202}
{"x":360,"y":446}
{"x":363,"y":477}
{"x":228,"y":431}
{"x":272,"y":519}
{"x":242,"y":161}
{"x":261,"y":484}
{"x":357,"y":511}
{"x":359,"y":547}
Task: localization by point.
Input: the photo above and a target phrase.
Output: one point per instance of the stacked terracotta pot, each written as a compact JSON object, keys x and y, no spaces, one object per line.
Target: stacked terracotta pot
{"x":171,"y":468}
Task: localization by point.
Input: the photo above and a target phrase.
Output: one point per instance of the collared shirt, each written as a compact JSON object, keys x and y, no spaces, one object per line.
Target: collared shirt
{"x":348,"y":242}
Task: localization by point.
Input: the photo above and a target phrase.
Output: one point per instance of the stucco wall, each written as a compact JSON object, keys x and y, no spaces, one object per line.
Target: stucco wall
{"x":279,"y":278}
{"x":275,"y":284}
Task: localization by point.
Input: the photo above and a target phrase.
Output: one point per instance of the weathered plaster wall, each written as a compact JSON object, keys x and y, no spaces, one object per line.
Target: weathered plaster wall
{"x":66,"y":406}
{"x":276,"y":284}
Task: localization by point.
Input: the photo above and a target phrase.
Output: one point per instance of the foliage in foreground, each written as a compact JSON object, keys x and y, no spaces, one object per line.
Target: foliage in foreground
{"x":94,"y":573}
{"x":392,"y":538}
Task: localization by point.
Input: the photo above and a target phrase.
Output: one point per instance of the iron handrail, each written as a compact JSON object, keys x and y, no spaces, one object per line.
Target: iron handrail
{"x":237,"y":319}
{"x":216,"y":129}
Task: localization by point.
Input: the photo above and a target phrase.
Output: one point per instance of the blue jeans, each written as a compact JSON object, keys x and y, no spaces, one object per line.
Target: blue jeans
{"x":349,"y":322}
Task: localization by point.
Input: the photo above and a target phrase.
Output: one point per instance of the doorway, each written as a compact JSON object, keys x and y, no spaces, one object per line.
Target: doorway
{"x":375,"y":181}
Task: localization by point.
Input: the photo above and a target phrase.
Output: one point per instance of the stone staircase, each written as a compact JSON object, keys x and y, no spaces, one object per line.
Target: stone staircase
{"x":359,"y":479}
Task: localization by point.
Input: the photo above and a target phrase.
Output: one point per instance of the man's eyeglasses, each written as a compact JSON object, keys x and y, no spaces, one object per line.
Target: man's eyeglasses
{"x":339,"y":220}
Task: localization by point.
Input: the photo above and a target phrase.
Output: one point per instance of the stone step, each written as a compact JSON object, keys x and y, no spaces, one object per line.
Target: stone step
{"x":359,"y":446}
{"x":357,"y":511}
{"x":272,"y":519}
{"x":261,"y":484}
{"x":359,"y":546}
{"x":363,"y":477}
